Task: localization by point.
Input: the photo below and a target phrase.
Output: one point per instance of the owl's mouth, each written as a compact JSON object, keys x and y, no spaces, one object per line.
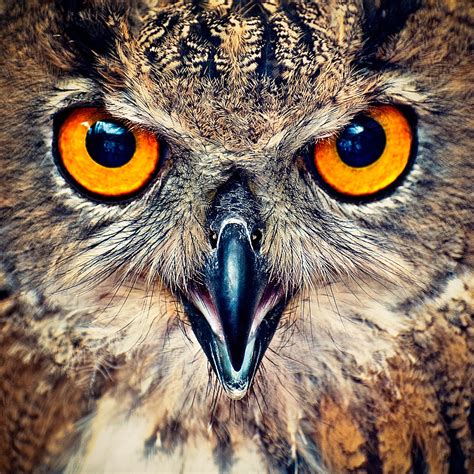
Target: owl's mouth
{"x":235,"y":312}
{"x":235,"y":381}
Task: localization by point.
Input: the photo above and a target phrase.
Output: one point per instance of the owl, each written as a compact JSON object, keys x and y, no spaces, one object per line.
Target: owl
{"x":235,"y":236}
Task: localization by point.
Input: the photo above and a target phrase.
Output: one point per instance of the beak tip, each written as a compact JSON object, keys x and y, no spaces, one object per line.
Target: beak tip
{"x":236,"y":394}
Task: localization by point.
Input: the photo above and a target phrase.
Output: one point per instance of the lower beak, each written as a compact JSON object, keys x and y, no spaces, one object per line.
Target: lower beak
{"x":236,"y":312}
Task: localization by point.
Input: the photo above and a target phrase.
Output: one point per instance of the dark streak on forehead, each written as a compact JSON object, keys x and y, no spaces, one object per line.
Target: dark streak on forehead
{"x":234,"y":39}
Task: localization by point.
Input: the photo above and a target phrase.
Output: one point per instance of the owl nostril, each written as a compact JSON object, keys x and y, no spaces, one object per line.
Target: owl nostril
{"x":256,"y":239}
{"x":213,"y":237}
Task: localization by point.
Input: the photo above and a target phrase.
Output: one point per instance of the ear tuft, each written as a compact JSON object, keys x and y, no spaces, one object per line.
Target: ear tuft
{"x":385,"y":18}
{"x":90,"y":29}
{"x":91,"y":25}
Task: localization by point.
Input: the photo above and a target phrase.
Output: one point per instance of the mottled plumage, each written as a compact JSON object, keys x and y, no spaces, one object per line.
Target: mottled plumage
{"x":371,"y":367}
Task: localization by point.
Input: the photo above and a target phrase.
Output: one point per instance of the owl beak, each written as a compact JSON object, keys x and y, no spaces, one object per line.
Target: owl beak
{"x":235,"y":285}
{"x":241,"y":309}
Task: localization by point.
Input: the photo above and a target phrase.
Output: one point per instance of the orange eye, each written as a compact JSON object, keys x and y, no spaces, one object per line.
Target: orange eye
{"x":105,"y":157}
{"x":368,"y":155}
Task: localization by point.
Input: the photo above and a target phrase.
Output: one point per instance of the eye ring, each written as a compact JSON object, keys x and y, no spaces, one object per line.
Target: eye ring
{"x":103,"y":180}
{"x":361,"y":182}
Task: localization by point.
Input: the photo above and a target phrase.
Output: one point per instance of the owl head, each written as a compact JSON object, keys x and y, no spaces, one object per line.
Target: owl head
{"x":247,"y":175}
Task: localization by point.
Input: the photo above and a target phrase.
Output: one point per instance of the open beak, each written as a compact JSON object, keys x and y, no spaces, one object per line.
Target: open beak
{"x":236,"y":310}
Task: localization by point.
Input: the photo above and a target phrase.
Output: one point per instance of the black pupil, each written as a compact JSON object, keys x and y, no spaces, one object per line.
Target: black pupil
{"x":110,"y":144}
{"x":362,"y":142}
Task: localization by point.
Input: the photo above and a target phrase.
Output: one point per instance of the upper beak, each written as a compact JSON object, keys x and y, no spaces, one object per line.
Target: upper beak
{"x":236,"y":312}
{"x":236,"y":284}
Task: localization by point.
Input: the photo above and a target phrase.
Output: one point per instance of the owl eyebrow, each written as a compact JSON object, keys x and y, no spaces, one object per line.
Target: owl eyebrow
{"x":292,"y":138}
{"x":309,"y":129}
{"x":79,"y":92}
{"x":72,"y":92}
{"x":151,"y":118}
{"x":323,"y":124}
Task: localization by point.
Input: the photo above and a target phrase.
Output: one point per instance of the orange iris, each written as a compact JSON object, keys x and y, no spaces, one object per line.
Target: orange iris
{"x":389,"y":162}
{"x":82,"y":153}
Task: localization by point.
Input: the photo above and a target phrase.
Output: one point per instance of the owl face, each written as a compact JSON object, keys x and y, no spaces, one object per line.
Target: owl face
{"x":247,"y":177}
